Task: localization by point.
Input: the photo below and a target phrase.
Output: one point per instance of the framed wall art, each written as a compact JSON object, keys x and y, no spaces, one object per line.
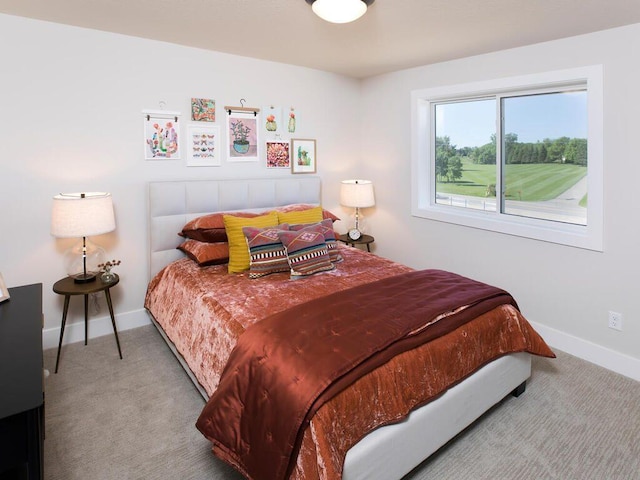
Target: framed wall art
{"x":303,"y":152}
{"x":278,"y":154}
{"x":242,"y":134}
{"x":161,"y":135}
{"x":203,"y":146}
{"x":273,"y":120}
{"x":203,"y":110}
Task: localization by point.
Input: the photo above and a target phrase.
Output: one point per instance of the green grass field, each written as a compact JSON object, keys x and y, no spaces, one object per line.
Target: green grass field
{"x":531,"y":182}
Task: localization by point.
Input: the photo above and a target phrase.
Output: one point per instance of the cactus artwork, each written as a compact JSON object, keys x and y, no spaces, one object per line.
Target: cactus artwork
{"x":271,"y":124}
{"x":291,"y":127}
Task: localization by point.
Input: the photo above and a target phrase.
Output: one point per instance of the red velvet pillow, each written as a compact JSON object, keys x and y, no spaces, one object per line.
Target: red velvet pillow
{"x":210,"y":228}
{"x":298,"y":207}
{"x":206,"y":253}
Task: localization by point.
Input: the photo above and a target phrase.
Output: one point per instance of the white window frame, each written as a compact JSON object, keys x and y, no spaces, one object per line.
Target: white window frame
{"x":423,"y":159}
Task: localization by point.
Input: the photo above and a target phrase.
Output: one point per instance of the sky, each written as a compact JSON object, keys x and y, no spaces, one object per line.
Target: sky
{"x":533,"y":118}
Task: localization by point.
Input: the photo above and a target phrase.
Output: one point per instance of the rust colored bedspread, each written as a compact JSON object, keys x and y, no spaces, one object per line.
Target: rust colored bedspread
{"x":203,"y":311}
{"x":289,"y":364}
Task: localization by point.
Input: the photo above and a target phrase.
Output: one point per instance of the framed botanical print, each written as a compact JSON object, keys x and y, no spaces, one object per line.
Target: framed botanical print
{"x":203,"y":110}
{"x":243,"y":135}
{"x":278,"y":154}
{"x":303,"y":152}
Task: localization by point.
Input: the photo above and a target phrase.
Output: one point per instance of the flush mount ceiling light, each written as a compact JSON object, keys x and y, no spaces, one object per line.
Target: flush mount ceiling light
{"x":339,"y":11}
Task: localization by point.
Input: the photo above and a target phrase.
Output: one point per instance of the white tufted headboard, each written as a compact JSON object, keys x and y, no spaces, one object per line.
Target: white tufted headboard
{"x":172,"y":204}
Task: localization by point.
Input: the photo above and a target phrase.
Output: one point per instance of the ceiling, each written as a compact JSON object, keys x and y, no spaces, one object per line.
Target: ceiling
{"x":393,"y":34}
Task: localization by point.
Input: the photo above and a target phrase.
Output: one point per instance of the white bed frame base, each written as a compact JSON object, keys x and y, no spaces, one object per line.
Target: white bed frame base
{"x":389,"y":452}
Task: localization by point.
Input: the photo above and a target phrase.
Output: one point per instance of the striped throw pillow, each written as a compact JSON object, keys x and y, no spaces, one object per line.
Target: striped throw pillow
{"x":306,"y":250}
{"x":266,"y":252}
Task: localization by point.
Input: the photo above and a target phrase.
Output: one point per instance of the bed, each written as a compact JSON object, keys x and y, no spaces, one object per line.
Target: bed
{"x":335,"y":441}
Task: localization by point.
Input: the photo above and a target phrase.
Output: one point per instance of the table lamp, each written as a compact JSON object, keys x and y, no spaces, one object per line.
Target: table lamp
{"x":356,"y":194}
{"x":82,"y":215}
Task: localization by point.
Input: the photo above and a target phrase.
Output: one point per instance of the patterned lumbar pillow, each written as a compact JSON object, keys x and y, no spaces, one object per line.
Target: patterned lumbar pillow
{"x":266,"y":252}
{"x":306,"y":250}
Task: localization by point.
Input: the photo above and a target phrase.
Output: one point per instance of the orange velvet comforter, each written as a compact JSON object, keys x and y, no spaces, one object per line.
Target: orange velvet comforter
{"x":204,"y":310}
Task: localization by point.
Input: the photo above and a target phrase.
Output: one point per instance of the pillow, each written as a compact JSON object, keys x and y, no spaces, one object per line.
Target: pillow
{"x":296,"y":207}
{"x":266,"y":253}
{"x":310,"y":215}
{"x":204,"y":253}
{"x":306,"y":250}
{"x":238,"y":250}
{"x":329,"y":238}
{"x":210,"y":228}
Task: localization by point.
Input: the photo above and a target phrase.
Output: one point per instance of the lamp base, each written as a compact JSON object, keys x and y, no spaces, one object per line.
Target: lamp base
{"x":81,"y":261}
{"x":84,"y":278}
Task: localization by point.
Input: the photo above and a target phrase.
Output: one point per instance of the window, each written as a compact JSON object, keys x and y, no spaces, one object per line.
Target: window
{"x":521,"y":156}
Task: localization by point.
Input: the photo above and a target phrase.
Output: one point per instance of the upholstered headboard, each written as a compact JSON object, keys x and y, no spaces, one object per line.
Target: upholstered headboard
{"x":172,"y":204}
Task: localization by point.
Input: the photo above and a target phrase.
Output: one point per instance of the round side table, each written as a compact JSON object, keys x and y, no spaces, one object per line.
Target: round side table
{"x":68,"y":288}
{"x":363,"y":240}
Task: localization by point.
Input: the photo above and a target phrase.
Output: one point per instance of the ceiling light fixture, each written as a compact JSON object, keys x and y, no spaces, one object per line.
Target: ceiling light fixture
{"x":339,"y":11}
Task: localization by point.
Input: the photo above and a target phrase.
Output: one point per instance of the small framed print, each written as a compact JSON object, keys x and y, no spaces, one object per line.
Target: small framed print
{"x":161,"y":135}
{"x":4,"y":291}
{"x":243,"y":136}
{"x":303,"y":153}
{"x":203,"y":110}
{"x":278,"y":155}
{"x":203,"y":146}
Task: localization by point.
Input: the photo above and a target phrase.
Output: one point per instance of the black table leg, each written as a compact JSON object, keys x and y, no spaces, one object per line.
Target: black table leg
{"x":64,"y":321}
{"x":86,"y":317}
{"x":113,"y":320}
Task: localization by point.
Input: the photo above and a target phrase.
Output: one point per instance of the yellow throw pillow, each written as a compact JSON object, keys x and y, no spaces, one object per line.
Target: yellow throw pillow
{"x":238,"y":249}
{"x":311,"y":215}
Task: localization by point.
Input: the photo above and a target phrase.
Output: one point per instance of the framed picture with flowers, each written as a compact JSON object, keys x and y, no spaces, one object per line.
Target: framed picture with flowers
{"x":278,"y":154}
{"x":303,"y":153}
{"x":161,"y":135}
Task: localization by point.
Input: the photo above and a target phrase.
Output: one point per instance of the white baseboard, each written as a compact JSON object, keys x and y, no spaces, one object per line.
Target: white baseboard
{"x":74,"y":332}
{"x":591,"y":352}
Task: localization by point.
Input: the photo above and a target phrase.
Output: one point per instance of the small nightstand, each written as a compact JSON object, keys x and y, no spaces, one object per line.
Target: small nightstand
{"x":363,"y":240}
{"x":68,"y":287}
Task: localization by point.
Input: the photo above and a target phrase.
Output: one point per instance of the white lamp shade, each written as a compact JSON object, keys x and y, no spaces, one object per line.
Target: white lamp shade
{"x":82,"y":214}
{"x":339,"y":11}
{"x":357,"y":193}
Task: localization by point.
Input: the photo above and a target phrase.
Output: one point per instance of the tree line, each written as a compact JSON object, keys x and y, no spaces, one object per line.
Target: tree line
{"x":560,"y":150}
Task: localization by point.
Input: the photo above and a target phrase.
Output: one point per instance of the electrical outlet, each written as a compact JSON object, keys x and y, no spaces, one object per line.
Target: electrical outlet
{"x":615,"y":320}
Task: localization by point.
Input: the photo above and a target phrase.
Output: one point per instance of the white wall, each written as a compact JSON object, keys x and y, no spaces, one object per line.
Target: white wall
{"x":70,"y":120}
{"x":567,"y":292}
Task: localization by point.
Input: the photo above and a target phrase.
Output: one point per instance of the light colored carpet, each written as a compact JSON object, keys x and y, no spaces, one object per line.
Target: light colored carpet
{"x":134,"y":418}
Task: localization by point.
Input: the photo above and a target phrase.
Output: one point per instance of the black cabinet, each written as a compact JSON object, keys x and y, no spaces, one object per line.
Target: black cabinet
{"x":21,"y":385}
